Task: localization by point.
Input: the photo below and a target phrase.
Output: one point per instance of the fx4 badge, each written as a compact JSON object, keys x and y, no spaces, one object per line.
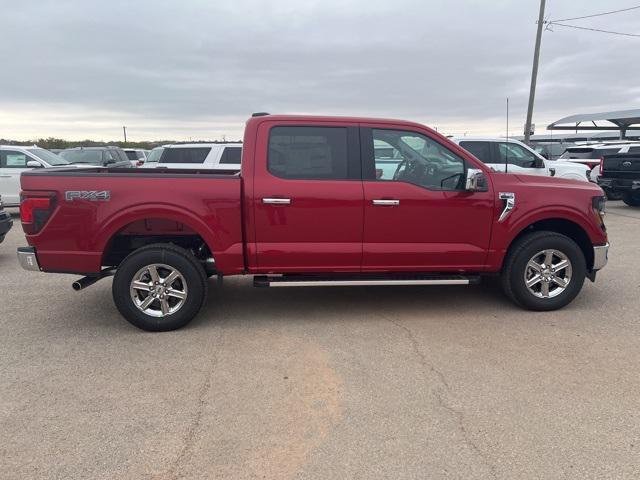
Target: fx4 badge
{"x":91,"y":195}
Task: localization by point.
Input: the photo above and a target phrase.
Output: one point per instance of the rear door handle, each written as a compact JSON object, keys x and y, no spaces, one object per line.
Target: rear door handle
{"x":387,"y":203}
{"x":276,"y":201}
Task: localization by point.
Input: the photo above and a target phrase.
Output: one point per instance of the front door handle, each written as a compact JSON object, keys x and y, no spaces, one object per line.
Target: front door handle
{"x":387,"y":203}
{"x":5,"y":176}
{"x":276,"y":201}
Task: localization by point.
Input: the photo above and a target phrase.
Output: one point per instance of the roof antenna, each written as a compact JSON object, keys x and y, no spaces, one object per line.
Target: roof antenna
{"x":506,"y":154}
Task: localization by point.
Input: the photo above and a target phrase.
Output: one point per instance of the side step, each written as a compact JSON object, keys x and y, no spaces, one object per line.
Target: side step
{"x":362,"y":280}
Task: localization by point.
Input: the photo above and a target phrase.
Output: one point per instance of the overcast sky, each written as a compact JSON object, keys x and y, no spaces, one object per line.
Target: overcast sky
{"x":196,"y":69}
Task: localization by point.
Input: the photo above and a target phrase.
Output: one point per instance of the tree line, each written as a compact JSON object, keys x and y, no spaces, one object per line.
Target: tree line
{"x":61,"y":143}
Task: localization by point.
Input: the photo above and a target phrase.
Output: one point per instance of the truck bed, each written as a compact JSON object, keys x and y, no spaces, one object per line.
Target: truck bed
{"x":96,"y":209}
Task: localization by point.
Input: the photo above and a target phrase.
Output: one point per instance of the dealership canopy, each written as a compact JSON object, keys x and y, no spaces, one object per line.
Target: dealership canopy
{"x":619,"y":120}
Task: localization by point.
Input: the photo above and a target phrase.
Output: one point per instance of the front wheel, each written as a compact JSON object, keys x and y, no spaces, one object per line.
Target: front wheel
{"x":159,"y":287}
{"x":544,"y":271}
{"x":632,"y":198}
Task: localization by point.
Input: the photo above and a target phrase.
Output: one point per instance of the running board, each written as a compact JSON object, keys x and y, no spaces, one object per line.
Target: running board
{"x":346,"y":281}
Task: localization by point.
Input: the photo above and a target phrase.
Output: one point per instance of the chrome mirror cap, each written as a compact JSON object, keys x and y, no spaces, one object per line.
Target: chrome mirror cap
{"x":476,"y":181}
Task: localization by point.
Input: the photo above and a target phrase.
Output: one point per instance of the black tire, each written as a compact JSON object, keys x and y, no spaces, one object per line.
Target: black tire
{"x":513,"y":273}
{"x":614,"y":195}
{"x":166,"y":254}
{"x":632,"y":199}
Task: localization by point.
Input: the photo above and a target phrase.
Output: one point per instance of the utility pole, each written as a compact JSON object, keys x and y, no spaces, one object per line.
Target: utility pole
{"x":124,"y":129}
{"x":534,"y":74}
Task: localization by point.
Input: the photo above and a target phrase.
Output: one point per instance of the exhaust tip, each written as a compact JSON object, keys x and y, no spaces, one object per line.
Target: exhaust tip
{"x":76,"y":286}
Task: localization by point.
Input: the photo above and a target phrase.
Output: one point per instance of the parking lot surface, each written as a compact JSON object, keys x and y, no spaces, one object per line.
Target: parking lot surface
{"x":324,"y":383}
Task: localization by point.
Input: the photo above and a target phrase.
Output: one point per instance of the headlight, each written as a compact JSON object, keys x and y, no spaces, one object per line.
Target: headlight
{"x":599,"y":204}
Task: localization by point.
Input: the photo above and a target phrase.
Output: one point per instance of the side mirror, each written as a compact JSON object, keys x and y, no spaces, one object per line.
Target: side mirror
{"x":475,"y":181}
{"x":33,"y":164}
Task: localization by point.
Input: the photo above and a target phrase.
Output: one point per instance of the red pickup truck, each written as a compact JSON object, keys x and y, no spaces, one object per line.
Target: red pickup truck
{"x":319,"y":201}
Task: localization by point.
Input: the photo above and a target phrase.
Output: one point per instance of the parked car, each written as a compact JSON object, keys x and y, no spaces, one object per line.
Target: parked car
{"x":590,"y":154}
{"x":310,"y":209}
{"x":6,"y":222}
{"x":14,"y":160}
{"x":153,"y":158}
{"x":137,"y":156}
{"x":112,"y":157}
{"x":510,"y":155}
{"x":620,"y":177}
{"x":210,"y":156}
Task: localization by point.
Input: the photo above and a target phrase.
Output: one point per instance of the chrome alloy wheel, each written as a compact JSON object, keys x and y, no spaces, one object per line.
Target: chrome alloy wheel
{"x":158,"y":290}
{"x":548,"y":273}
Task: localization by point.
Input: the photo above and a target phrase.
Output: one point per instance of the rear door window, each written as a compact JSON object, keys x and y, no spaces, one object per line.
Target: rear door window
{"x":185,"y":155}
{"x":231,"y":156}
{"x":481,"y":150}
{"x":312,"y":153}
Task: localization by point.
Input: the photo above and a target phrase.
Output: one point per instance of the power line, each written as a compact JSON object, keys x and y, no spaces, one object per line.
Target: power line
{"x":594,"y":29}
{"x":596,"y":15}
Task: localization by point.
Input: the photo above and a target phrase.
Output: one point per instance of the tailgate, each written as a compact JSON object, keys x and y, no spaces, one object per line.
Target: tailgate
{"x":621,"y":166}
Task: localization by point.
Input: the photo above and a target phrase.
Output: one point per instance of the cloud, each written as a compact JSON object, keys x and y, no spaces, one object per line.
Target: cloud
{"x":197,"y":69}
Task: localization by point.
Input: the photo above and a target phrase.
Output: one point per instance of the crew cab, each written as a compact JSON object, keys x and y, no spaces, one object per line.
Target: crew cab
{"x":510,"y":155}
{"x":313,"y":205}
{"x":620,"y":176}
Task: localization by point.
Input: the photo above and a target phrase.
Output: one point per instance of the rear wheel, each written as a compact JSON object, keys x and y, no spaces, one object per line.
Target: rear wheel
{"x":159,"y":287}
{"x":632,"y":199}
{"x":544,"y":271}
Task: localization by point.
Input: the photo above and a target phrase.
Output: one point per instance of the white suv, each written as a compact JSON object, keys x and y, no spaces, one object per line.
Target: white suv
{"x":590,"y":154}
{"x":512,"y":156}
{"x":211,"y":156}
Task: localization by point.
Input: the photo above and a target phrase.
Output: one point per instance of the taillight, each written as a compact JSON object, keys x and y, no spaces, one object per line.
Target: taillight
{"x":139,"y":163}
{"x":601,"y":165}
{"x":35,"y":210}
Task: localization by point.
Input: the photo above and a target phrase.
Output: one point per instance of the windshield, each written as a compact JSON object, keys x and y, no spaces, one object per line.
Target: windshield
{"x":82,"y":156}
{"x":49,"y":157}
{"x":155,"y":154}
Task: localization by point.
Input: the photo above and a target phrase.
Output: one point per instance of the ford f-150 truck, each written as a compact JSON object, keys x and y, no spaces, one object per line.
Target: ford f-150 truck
{"x":620,"y":175}
{"x":314,"y":205}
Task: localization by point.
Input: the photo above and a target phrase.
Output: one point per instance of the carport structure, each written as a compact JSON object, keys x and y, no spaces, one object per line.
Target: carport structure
{"x":619,"y":120}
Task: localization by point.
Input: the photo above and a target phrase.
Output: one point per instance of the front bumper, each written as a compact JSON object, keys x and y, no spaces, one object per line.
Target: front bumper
{"x":28,"y":259}
{"x":600,"y":256}
{"x":619,"y":184}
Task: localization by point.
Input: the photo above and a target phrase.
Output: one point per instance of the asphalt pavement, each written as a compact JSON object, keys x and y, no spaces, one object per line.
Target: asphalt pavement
{"x":324,"y":383}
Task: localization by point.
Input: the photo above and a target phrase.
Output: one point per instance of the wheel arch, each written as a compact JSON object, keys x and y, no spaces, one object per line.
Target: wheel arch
{"x":151,"y":225}
{"x":563,"y":226}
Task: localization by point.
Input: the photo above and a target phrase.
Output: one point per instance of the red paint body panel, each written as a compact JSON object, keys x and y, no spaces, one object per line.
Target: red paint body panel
{"x":330,"y":226}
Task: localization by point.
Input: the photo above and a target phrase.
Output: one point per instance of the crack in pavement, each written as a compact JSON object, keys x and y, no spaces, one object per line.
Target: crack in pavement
{"x":191,"y":436}
{"x":459,"y":416}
